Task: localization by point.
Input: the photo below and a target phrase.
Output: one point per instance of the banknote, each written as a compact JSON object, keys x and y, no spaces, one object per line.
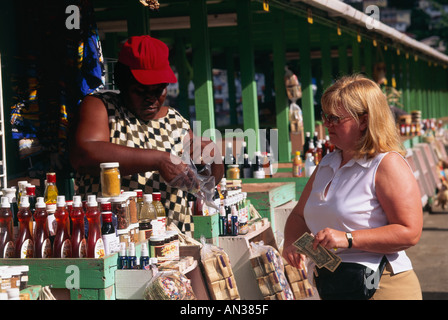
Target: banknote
{"x":322,"y":257}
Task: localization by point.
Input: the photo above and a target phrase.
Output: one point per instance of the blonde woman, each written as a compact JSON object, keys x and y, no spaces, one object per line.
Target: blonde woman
{"x":362,"y":200}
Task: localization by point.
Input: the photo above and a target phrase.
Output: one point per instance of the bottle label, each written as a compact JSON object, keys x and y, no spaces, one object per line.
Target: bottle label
{"x":111,"y":243}
{"x":162,"y":220}
{"x":46,"y":249}
{"x":66,"y":249}
{"x":144,"y":234}
{"x":52,"y":224}
{"x":99,"y":248}
{"x":27,"y":249}
{"x":8,"y":250}
{"x":82,"y":249}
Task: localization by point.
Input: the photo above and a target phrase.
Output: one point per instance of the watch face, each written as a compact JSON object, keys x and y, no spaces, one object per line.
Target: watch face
{"x":349,"y":235}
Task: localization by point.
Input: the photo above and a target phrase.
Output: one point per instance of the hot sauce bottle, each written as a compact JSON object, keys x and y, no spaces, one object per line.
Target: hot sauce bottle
{"x":42,"y":243}
{"x":24,"y":243}
{"x":78,"y":239}
{"x":6,"y":232}
{"x":62,"y":247}
{"x":95,"y":245}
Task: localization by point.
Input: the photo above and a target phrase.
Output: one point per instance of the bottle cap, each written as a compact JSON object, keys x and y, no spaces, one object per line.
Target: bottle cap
{"x":77,"y":201}
{"x":108,"y":165}
{"x":40,"y":203}
{"x":156,"y":196}
{"x":51,"y":177}
{"x":31,"y":189}
{"x":60,"y":202}
{"x":147,"y":197}
{"x":145,"y":252}
{"x":106,"y":207}
{"x":91,"y":201}
{"x":5,"y":202}
{"x":24,"y":202}
{"x":131,"y":249}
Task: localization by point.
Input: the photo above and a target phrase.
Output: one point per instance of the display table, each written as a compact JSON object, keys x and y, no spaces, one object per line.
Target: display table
{"x":238,"y":250}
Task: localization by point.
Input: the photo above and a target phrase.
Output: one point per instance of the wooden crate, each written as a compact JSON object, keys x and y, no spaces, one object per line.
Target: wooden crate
{"x":72,"y":278}
{"x":265,"y":197}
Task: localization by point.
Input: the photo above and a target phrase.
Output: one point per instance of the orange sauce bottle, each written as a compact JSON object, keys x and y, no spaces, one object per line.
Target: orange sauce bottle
{"x":95,"y":245}
{"x":62,"y":247}
{"x":24,"y":243}
{"x":42,"y":243}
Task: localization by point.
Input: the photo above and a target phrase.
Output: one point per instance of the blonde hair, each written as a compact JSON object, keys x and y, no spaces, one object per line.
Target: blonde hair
{"x":359,"y":95}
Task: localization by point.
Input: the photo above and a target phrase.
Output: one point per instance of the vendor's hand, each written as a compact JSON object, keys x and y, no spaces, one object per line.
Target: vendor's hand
{"x":293,"y":257}
{"x":177,"y":173}
{"x":330,"y":239}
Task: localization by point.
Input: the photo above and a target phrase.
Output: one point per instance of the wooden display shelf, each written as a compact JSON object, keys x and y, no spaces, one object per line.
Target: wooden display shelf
{"x":239,"y":253}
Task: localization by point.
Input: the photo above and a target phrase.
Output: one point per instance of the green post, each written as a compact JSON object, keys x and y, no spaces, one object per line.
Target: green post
{"x":183,"y":76}
{"x":202,"y":66}
{"x":368,"y":64}
{"x":325,"y":49}
{"x":137,"y":19}
{"x":306,"y":77}
{"x":342,"y":56}
{"x":246,"y":51}
{"x":230,"y":66}
{"x":356,"y":55}
{"x":281,"y":100}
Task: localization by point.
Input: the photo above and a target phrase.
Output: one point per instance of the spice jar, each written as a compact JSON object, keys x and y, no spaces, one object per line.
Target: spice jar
{"x":131,"y":200}
{"x":156,"y":244}
{"x":233,"y":173}
{"x":110,"y":179}
{"x":121,"y":215}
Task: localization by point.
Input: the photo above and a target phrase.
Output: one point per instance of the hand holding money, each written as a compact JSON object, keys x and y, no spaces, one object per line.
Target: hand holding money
{"x":321,"y":256}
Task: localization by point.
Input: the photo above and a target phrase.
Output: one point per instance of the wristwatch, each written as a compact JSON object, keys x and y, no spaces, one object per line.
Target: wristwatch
{"x":350,"y":239}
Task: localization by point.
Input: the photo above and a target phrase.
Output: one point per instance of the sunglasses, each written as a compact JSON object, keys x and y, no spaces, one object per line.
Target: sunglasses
{"x":334,"y":120}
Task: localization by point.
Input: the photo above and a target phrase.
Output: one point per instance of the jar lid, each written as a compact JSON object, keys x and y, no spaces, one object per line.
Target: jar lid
{"x":156,"y":238}
{"x":107,"y":165}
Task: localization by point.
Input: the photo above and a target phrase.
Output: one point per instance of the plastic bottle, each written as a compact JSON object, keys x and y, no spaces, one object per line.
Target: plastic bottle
{"x":234,"y":220}
{"x":122,"y":257}
{"x":147,"y":214}
{"x":144,"y":257}
{"x":24,"y":245}
{"x":309,"y":165}
{"x":318,"y":153}
{"x":160,"y":209}
{"x":110,"y":239}
{"x":297,"y":165}
{"x":51,"y":191}
{"x":62,"y":246}
{"x":222,"y":221}
{"x":247,"y":167}
{"x":139,"y":202}
{"x":267,"y":166}
{"x":132,"y":258}
{"x":78,"y":239}
{"x":258,"y":171}
{"x":10,"y":193}
{"x":306,"y":143}
{"x":31,"y":193}
{"x":95,"y":245}
{"x":42,"y":243}
{"x":6,"y":231}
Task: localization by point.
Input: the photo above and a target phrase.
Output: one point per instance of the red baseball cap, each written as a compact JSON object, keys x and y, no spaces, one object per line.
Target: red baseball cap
{"x":147,"y":58}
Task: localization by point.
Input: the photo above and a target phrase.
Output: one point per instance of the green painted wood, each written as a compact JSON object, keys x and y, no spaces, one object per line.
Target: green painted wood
{"x":137,"y":19}
{"x":247,"y":69}
{"x":202,"y":66}
{"x":60,"y":273}
{"x":326,"y":60}
{"x":281,"y":99}
{"x":207,"y":226}
{"x":183,"y":75}
{"x":368,"y":60}
{"x":306,"y":75}
{"x":356,"y":55}
{"x":230,"y":66}
{"x":342,"y":56}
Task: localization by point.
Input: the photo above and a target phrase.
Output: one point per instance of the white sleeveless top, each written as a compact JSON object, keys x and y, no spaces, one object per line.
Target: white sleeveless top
{"x":351,"y":204}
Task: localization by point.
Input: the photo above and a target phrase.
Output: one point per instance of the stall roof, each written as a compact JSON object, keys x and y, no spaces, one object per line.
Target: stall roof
{"x":338,"y":9}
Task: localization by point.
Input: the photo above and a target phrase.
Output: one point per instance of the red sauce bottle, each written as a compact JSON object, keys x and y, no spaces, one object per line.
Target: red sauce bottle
{"x":6,"y":233}
{"x":24,"y":242}
{"x":42,"y":243}
{"x":62,"y":247}
{"x":79,"y":247}
{"x":95,"y":245}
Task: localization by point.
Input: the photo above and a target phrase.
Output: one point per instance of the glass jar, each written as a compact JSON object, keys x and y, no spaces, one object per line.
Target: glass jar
{"x":233,"y":173}
{"x":120,"y":215}
{"x":110,"y":179}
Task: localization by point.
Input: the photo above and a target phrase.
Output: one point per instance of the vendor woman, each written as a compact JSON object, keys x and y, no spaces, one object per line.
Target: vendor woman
{"x":135,"y":129}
